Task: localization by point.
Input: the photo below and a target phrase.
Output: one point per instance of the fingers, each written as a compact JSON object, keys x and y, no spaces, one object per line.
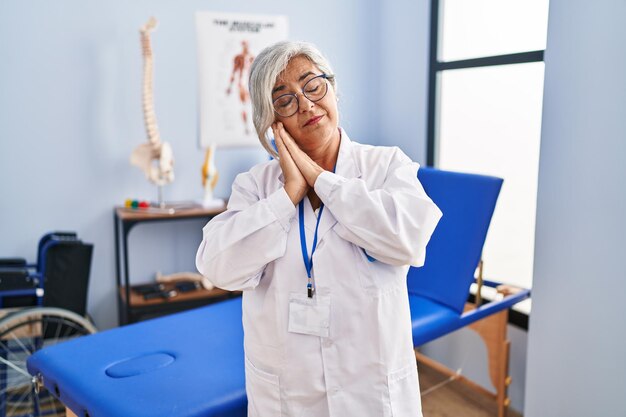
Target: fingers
{"x":288,"y":141}
{"x":283,"y":152}
{"x":280,"y":146}
{"x":289,"y":146}
{"x":284,"y":142}
{"x":307,"y":167}
{"x":295,"y":183}
{"x":287,"y":162}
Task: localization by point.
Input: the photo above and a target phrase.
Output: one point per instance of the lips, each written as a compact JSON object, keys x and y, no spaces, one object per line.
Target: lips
{"x":313,"y":120}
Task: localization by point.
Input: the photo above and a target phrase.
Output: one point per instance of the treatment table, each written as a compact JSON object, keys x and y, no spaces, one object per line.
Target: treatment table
{"x":189,"y":364}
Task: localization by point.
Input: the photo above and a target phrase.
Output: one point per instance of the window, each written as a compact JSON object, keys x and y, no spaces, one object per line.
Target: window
{"x":485,"y":103}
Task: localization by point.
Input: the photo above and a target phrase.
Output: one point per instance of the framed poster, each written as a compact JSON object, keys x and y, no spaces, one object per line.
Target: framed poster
{"x":227,"y":45}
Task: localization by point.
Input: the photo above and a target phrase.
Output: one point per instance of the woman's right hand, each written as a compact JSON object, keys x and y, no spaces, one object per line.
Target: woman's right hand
{"x":295,"y":183}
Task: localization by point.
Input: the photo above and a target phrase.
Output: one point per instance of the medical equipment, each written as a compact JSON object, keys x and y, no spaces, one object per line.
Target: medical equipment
{"x":155,"y":158}
{"x":42,"y":304}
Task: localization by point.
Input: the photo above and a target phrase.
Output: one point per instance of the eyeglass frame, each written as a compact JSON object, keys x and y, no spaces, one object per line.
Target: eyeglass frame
{"x":295,"y":95}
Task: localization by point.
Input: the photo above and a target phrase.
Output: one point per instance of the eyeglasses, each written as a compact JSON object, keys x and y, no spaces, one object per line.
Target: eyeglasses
{"x":314,"y":90}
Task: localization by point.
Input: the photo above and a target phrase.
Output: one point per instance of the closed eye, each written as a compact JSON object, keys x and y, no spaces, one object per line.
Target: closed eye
{"x":283,"y":101}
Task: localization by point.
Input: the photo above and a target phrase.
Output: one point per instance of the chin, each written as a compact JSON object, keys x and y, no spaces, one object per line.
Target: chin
{"x":316,"y":135}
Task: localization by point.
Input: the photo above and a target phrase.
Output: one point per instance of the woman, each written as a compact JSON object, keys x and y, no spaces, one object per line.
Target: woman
{"x":320,"y":241}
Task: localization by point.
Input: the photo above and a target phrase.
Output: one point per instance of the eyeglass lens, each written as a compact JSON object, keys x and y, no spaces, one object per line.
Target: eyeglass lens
{"x":314,"y":90}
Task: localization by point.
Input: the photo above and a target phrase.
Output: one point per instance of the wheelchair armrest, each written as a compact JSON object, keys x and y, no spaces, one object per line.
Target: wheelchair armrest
{"x":12,"y":262}
{"x":18,"y":279}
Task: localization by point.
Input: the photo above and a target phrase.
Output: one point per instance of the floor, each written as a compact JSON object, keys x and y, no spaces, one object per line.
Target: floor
{"x":453,"y":399}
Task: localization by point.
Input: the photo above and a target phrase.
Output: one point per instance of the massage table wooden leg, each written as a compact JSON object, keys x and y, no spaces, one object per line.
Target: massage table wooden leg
{"x":493,"y":331}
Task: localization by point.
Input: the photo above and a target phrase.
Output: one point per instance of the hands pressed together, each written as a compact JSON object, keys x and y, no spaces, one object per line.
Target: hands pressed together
{"x":299,"y":170}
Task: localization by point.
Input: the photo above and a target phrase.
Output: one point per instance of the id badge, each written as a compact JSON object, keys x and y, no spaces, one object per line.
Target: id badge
{"x":309,"y":315}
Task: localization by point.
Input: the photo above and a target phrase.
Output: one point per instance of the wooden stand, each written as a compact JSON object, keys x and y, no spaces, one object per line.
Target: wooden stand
{"x":493,"y":330}
{"x":131,"y":309}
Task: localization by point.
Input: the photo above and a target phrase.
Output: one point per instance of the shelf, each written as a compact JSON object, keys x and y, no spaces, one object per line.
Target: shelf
{"x":139,"y":309}
{"x":129,"y":214}
{"x":137,"y":301}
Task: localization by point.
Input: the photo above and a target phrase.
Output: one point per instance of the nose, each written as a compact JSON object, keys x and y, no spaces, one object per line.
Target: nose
{"x":304,"y":104}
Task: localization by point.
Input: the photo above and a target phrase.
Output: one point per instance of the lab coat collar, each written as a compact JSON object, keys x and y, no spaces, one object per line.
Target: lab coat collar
{"x":346,"y":165}
{"x":347,"y":168}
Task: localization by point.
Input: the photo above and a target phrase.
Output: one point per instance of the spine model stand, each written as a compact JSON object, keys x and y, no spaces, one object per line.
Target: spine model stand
{"x":155,"y":158}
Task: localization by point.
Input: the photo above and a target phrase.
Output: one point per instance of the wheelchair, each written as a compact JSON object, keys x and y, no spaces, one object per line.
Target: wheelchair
{"x":41,"y":305}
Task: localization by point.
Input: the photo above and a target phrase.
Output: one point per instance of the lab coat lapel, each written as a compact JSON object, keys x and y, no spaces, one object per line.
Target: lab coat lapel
{"x":347,"y":168}
{"x":326,"y":223}
{"x":346,"y":163}
{"x":310,"y":221}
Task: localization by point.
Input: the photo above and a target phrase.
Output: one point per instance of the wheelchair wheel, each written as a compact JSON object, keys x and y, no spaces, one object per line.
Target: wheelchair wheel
{"x":22,"y":333}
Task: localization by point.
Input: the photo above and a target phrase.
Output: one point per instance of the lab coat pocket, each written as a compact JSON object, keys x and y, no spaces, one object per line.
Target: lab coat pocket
{"x":366,"y":278}
{"x":376,"y":277}
{"x":404,"y":392}
{"x":263,"y":390}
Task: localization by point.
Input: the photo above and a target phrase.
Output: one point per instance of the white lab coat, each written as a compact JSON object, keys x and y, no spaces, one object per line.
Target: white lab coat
{"x":366,"y":366}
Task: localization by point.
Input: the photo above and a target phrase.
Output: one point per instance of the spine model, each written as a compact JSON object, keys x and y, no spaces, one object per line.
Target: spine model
{"x":155,"y":158}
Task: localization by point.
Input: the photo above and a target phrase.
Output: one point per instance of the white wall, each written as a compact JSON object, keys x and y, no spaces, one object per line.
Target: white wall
{"x":70,"y":115}
{"x":403,"y":87}
{"x":577,"y":336}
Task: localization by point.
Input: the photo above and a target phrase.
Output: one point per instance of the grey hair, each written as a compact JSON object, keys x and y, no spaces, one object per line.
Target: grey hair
{"x":264,"y":72}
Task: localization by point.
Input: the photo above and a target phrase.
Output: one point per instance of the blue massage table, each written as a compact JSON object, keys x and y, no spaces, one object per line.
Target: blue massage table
{"x":188,"y":364}
{"x":191,"y":364}
{"x":438,"y":291}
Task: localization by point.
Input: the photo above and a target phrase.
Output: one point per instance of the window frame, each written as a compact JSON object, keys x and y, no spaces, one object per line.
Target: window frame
{"x":436,"y":67}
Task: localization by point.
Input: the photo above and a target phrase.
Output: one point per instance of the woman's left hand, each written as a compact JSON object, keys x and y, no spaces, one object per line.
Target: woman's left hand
{"x":310,"y":169}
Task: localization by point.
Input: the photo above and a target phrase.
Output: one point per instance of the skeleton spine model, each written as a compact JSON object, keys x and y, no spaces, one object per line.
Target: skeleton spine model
{"x":155,"y":157}
{"x":148,"y":97}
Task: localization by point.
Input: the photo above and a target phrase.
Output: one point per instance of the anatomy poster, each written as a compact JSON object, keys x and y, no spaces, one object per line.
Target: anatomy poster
{"x":227,"y":45}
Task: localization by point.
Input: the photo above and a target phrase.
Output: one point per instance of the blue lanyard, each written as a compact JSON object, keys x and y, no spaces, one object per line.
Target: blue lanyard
{"x":308,"y":262}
